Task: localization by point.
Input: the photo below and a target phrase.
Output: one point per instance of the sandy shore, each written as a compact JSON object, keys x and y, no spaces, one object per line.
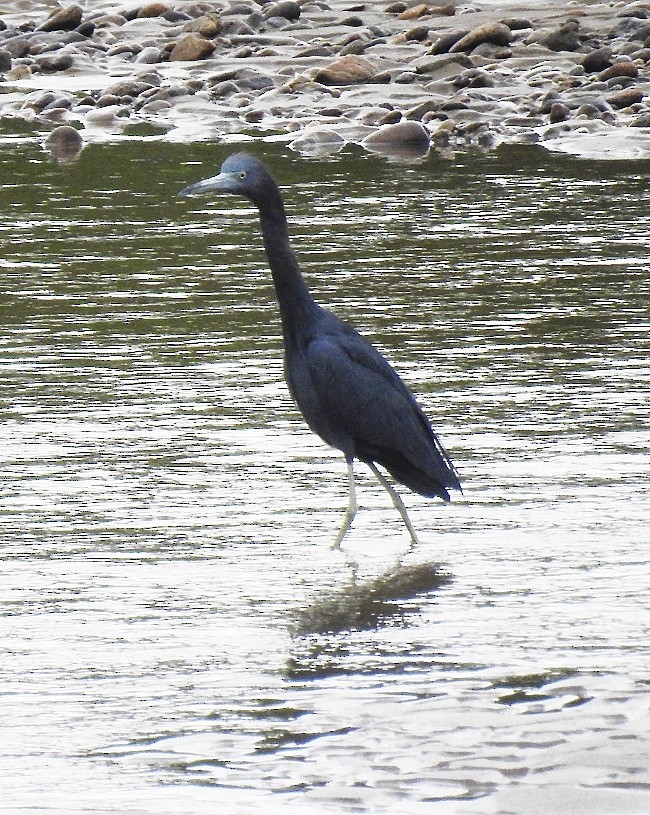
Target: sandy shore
{"x":322,"y":73}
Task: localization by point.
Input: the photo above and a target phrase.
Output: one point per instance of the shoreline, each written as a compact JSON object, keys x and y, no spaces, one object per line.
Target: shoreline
{"x":392,"y":77}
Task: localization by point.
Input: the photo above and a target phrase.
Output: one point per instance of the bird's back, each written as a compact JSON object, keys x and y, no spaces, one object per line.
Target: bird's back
{"x":351,"y":397}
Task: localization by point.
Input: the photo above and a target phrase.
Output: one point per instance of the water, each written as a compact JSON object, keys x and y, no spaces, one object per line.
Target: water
{"x":165,"y":517}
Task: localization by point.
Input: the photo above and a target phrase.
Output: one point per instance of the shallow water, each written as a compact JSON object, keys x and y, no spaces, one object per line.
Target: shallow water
{"x":165,"y":516}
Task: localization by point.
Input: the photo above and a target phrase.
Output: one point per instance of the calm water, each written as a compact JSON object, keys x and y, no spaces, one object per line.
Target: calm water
{"x":165,"y":517}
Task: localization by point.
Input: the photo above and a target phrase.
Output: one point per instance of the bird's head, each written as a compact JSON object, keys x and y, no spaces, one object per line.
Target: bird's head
{"x":241,"y":174}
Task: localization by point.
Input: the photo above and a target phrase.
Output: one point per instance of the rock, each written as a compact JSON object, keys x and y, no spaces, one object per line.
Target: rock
{"x":589,"y":111}
{"x":406,"y":133}
{"x":619,"y":69}
{"x":495,"y":33}
{"x":5,"y":60}
{"x":190,"y":48}
{"x":444,"y":66}
{"x":473,"y":78}
{"x":64,"y":19}
{"x":153,"y":10}
{"x":127,"y":87}
{"x":150,"y":55}
{"x":564,"y":38}
{"x":516,"y":23}
{"x":51,"y":65}
{"x":351,"y":22}
{"x":64,"y":143}
{"x":354,"y":47}
{"x":17,"y":47}
{"x":288,"y":9}
{"x":558,"y":113}
{"x":444,"y":43}
{"x":414,"y":12}
{"x":443,"y":11}
{"x":348,"y":70}
{"x":597,"y":60}
{"x":418,"y":112}
{"x":318,"y":142}
{"x":391,"y":118}
{"x":418,"y":33}
{"x":209,"y":25}
{"x":625,"y":98}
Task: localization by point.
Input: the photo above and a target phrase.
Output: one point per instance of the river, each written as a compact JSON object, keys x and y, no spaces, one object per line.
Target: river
{"x":177,"y":634}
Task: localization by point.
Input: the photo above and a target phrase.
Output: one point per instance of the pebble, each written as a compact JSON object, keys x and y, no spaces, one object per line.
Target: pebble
{"x":409,"y":133}
{"x":64,"y":143}
{"x":495,"y":33}
{"x":625,"y":98}
{"x":597,"y":60}
{"x":619,"y":69}
{"x":288,"y":9}
{"x":191,"y":48}
{"x":348,"y":70}
{"x":329,"y":71}
{"x":65,"y":19}
{"x":564,"y":38}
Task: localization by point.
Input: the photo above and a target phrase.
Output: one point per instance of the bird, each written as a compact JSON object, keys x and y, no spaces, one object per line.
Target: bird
{"x":347,"y":391}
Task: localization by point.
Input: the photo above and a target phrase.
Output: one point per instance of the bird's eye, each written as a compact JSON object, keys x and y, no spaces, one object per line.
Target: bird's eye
{"x":242,"y":175}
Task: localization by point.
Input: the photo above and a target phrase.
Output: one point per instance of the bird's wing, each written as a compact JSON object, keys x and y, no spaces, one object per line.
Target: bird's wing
{"x":353,"y":399}
{"x":361,"y":392}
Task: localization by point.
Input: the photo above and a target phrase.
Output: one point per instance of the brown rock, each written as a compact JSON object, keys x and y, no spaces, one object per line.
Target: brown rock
{"x":443,"y":11}
{"x":418,"y":33}
{"x":348,"y":70}
{"x":63,"y":19}
{"x":495,"y":33}
{"x":191,"y":48}
{"x":619,"y":69}
{"x":153,"y":10}
{"x":625,"y":98}
{"x":207,"y":26}
{"x":414,"y":12}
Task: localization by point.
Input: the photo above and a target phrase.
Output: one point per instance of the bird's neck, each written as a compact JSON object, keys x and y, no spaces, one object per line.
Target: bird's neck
{"x":297,"y":305}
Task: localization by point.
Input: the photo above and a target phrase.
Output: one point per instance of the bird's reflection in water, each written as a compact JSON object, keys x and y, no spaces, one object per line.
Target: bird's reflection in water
{"x":362,"y":605}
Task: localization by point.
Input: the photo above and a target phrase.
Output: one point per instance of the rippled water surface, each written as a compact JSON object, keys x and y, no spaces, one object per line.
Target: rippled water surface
{"x":177,"y":635}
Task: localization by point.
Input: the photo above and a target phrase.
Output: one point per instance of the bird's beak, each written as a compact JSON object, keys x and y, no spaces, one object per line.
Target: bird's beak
{"x":224,"y":182}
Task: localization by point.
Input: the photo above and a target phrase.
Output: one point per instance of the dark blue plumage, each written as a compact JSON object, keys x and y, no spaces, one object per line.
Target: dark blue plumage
{"x":345,"y":389}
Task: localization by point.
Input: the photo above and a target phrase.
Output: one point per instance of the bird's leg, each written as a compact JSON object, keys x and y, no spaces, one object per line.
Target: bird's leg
{"x":351,"y":511}
{"x":397,"y":503}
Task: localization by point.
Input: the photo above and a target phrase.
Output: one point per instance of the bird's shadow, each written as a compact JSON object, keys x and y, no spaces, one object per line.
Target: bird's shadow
{"x":363,"y":605}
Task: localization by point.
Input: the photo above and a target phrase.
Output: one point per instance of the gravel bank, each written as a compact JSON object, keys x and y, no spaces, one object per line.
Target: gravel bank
{"x":322,"y":73}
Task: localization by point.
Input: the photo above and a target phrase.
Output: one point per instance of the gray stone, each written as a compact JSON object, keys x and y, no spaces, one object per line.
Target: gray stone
{"x":288,"y":9}
{"x":597,"y":60}
{"x":564,"y":38}
{"x":150,"y":55}
{"x":407,"y":133}
{"x":55,"y":64}
{"x":444,"y":43}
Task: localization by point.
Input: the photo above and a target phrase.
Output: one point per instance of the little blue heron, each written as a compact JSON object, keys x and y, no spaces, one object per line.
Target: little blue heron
{"x":347,"y":392}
